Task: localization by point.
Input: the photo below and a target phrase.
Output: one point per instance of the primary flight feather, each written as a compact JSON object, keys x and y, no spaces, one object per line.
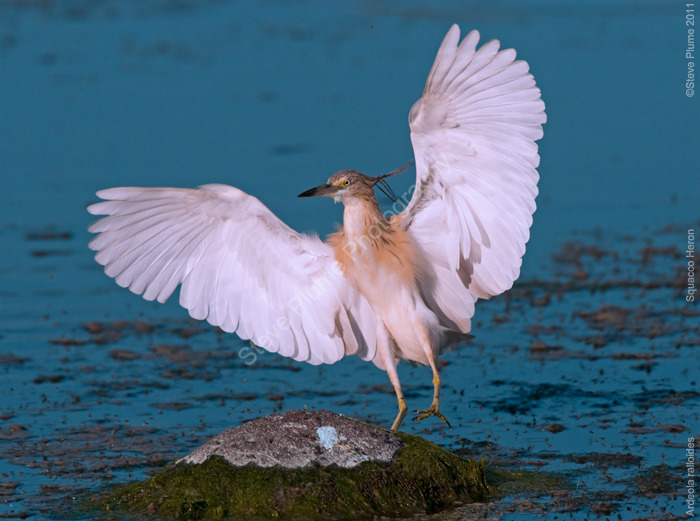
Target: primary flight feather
{"x":383,"y":288}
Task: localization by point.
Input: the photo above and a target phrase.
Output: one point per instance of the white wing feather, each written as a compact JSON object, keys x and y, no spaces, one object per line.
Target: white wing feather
{"x":240,"y":268}
{"x":473,"y":135}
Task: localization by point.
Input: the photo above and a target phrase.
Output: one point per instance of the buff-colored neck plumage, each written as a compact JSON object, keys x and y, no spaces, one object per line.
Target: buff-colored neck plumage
{"x":370,"y":247}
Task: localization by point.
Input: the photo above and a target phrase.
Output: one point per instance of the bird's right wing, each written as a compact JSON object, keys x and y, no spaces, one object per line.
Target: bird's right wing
{"x":241,"y":268}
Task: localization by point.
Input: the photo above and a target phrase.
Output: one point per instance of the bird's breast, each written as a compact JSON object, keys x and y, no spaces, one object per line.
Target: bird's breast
{"x":376,"y":261}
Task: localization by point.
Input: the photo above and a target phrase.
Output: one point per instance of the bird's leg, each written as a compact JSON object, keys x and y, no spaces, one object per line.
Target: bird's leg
{"x":434,"y":409}
{"x":390,"y":361}
{"x":403,"y":408}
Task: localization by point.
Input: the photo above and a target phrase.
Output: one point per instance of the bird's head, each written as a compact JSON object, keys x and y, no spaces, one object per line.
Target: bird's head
{"x":351,"y":183}
{"x":346,"y":183}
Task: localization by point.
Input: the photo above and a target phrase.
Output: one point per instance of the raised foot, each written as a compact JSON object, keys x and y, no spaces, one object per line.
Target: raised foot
{"x":433,"y":410}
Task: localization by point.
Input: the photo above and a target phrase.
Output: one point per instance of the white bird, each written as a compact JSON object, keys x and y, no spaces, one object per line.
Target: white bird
{"x":385,"y":287}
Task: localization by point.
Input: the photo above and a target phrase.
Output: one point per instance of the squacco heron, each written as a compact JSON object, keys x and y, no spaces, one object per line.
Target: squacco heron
{"x":388,"y":286}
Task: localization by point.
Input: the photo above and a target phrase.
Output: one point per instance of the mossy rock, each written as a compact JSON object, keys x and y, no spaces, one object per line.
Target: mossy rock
{"x":419,"y":477}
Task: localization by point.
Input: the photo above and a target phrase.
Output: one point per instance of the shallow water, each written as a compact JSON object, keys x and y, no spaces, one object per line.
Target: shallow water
{"x":587,"y":367}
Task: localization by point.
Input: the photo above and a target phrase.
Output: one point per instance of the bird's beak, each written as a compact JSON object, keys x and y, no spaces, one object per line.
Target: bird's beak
{"x":327,"y":190}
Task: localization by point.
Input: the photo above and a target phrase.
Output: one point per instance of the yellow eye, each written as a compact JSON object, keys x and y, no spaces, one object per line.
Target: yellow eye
{"x":346,"y":182}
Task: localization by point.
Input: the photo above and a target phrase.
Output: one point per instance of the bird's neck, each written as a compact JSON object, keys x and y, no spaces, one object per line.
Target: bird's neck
{"x":372,"y":250}
{"x":363,"y":220}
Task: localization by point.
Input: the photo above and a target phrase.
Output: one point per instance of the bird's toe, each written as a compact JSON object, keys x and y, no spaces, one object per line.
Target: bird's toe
{"x":433,"y":410}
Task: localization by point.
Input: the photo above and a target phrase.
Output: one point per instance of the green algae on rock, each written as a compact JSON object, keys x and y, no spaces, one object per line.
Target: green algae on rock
{"x":338,"y":477}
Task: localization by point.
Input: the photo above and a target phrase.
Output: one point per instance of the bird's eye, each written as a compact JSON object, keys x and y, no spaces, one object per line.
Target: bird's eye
{"x":346,"y":182}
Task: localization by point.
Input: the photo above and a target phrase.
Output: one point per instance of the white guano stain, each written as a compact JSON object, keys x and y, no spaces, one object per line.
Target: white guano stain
{"x":328,"y":437}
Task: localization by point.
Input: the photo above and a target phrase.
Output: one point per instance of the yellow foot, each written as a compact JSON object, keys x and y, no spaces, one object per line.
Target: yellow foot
{"x":433,"y":410}
{"x":403,"y":409}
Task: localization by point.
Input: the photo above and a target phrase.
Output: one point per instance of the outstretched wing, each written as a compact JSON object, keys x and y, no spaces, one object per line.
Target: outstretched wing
{"x":473,"y":135}
{"x":241,"y":268}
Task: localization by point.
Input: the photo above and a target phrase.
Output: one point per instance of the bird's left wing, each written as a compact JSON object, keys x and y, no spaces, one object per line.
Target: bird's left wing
{"x":473,"y":133}
{"x":241,"y":268}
